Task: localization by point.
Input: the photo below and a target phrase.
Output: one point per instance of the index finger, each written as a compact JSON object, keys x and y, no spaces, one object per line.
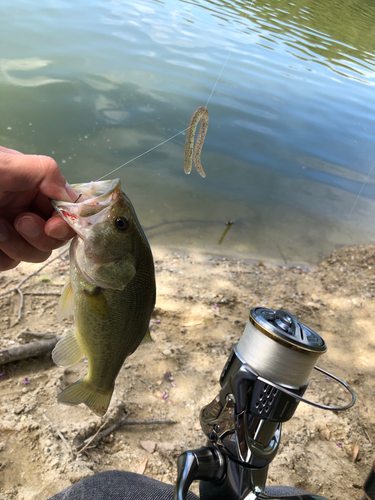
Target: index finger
{"x":10,"y":151}
{"x":21,"y":172}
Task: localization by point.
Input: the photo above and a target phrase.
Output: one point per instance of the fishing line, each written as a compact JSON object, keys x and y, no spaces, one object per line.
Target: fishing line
{"x":360,"y":191}
{"x":226,"y":60}
{"x":136,"y":158}
{"x":182,"y":131}
{"x":208,"y":100}
{"x":218,"y":78}
{"x":351,"y":210}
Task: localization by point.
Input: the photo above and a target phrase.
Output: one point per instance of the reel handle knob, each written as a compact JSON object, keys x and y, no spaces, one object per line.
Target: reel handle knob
{"x":206,"y":463}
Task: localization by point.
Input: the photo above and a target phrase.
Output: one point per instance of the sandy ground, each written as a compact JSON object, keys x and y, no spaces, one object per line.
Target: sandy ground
{"x":202,"y":308}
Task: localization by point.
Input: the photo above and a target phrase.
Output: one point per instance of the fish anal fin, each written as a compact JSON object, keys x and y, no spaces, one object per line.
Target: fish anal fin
{"x":65,"y":307}
{"x":67,"y":351}
{"x":83,"y":392}
{"x":147,"y":338}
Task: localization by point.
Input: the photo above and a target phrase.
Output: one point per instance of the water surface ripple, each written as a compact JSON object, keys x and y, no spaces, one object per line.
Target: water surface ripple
{"x":290,"y":141}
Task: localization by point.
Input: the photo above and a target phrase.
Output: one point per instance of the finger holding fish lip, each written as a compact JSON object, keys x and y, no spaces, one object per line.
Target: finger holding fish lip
{"x":92,"y":202}
{"x":58,"y":229}
{"x":26,"y":239}
{"x":42,"y":235}
{"x":22,"y":173}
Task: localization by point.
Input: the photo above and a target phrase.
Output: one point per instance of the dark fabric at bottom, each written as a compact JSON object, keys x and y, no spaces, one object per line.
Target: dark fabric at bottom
{"x":120,"y":485}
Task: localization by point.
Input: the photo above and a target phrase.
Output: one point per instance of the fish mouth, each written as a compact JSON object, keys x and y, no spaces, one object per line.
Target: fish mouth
{"x":94,"y":200}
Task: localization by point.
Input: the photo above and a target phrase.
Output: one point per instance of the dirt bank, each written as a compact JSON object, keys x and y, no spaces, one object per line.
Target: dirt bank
{"x":202,"y":308}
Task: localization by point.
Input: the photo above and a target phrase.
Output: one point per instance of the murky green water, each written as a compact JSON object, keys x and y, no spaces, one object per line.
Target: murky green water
{"x":291,"y":136}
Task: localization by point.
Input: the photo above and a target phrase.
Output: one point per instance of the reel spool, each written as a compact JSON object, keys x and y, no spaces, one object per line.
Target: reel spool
{"x":282,"y":352}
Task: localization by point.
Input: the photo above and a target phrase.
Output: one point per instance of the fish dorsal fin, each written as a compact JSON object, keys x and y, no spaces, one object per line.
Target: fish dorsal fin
{"x":147,"y":338}
{"x":65,"y":307}
{"x":67,"y":351}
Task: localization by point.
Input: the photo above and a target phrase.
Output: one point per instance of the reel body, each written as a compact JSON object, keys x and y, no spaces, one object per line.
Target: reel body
{"x":262,"y":383}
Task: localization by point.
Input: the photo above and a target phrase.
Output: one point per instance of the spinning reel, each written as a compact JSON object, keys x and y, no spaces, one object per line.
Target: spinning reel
{"x":262,"y":383}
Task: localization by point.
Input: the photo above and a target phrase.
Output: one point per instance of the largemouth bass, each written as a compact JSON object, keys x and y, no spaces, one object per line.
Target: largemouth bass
{"x":111,"y":290}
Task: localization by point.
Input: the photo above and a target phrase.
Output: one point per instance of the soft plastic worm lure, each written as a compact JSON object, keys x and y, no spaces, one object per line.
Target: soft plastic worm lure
{"x":200,"y":113}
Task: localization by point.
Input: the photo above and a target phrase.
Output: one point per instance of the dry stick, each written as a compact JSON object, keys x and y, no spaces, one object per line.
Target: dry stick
{"x":21,"y":303}
{"x":30,"y":350}
{"x":100,"y":435}
{"x":366,"y":433}
{"x":90,"y":440}
{"x":26,"y":335}
{"x":149,"y":422}
{"x":35,"y":272}
{"x":309,"y":308}
{"x":18,"y":287}
{"x":53,"y":425}
{"x":8,"y":283}
{"x":306,"y":308}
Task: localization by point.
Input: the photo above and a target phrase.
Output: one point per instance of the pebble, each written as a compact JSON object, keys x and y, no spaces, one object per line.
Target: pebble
{"x":19,"y":409}
{"x":149,"y":446}
{"x":168,"y":447}
{"x":167,"y":352}
{"x":79,"y":471}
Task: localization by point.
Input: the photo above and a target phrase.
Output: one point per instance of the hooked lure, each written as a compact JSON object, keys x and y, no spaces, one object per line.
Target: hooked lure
{"x":200,"y":113}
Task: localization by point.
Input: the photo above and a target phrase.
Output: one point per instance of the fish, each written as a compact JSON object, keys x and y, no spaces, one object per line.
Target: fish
{"x":111,"y":290}
{"x":191,"y":152}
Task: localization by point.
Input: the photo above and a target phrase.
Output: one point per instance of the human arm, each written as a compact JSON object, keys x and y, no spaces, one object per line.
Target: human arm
{"x":29,"y":227}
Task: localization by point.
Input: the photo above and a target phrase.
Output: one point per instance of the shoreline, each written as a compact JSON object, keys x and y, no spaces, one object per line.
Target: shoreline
{"x":248,"y":258}
{"x":201,"y":311}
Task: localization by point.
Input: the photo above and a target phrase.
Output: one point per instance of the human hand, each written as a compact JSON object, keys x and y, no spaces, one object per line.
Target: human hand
{"x":29,"y":228}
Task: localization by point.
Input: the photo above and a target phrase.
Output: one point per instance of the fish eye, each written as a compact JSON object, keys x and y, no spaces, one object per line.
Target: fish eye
{"x":122,"y":223}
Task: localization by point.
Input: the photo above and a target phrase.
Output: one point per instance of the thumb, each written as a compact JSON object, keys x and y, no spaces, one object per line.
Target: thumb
{"x":24,"y":172}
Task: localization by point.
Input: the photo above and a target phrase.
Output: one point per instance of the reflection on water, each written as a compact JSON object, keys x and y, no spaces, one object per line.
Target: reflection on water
{"x":10,"y":67}
{"x":337,"y":34}
{"x":290,"y":143}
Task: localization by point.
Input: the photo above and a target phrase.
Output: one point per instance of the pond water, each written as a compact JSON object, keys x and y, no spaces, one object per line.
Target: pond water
{"x":290,"y":91}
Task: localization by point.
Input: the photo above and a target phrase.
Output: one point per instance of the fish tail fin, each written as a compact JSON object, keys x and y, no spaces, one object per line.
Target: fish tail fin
{"x":84,"y":392}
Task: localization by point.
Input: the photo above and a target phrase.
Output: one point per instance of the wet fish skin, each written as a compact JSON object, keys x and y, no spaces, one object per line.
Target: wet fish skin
{"x":111,"y":290}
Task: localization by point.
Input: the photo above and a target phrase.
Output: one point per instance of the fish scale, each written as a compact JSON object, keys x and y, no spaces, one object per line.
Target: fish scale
{"x":111,"y":290}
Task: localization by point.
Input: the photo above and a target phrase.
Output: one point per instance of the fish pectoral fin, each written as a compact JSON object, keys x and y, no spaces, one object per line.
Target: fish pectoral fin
{"x":65,"y":307}
{"x":147,"y":338}
{"x":67,"y":351}
{"x":83,"y":392}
